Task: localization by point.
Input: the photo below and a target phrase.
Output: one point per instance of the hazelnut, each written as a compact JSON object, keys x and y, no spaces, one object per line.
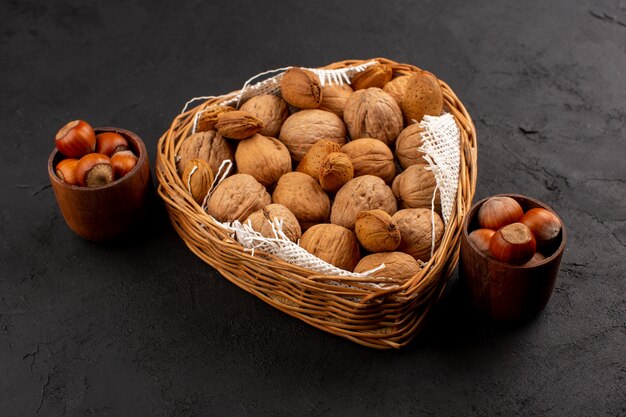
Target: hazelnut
{"x":513,"y":244}
{"x":76,"y":139}
{"x":499,"y":211}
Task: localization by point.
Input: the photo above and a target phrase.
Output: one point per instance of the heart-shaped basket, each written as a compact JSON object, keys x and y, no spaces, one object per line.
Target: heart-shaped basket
{"x":346,"y":306}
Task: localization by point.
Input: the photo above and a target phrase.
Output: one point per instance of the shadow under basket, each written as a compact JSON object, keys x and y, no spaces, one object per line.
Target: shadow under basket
{"x":373,"y":317}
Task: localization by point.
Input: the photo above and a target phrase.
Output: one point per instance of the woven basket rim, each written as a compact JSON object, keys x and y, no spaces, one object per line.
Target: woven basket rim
{"x":207,"y":239}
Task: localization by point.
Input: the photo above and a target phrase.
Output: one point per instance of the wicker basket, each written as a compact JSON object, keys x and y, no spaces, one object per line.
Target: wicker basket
{"x":344,"y":306}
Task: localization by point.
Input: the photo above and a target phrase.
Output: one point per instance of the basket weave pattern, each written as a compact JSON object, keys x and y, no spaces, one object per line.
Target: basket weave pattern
{"x":344,"y":306}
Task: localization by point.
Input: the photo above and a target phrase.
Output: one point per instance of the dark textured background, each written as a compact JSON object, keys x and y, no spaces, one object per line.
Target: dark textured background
{"x":145,"y":329}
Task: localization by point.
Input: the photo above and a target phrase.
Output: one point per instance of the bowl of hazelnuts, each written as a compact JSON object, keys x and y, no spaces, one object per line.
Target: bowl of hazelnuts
{"x":511,"y":249}
{"x":101,"y":179}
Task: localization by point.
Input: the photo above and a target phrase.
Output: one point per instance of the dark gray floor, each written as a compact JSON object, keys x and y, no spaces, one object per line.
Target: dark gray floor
{"x":145,"y":329}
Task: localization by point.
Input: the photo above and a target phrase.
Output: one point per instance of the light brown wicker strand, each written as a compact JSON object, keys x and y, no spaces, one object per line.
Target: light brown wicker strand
{"x":352,"y":309}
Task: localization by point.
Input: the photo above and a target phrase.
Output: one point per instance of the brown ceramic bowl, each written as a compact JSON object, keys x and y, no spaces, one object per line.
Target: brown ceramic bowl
{"x":106,"y":212}
{"x":503,"y":291}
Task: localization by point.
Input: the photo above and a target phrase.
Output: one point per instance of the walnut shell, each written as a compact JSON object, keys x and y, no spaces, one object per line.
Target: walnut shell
{"x":415,"y":227}
{"x":261,"y":221}
{"x":414,"y":188}
{"x":409,"y":140}
{"x":376,"y":231}
{"x":398,"y":265}
{"x":376,"y":75}
{"x":397,"y":87}
{"x":266,"y":159}
{"x":371,"y":157}
{"x":271,"y":109}
{"x":334,"y":244}
{"x":334,"y":98}
{"x":361,"y":194}
{"x":209,"y":146}
{"x":237,"y":197}
{"x":197,"y":179}
{"x":304,"y":197}
{"x":301,"y":88}
{"x":311,"y":162}
{"x":238,"y":124}
{"x":207,"y":118}
{"x":302,"y":129}
{"x":423,"y":96}
{"x":336,"y":171}
{"x":372,"y":113}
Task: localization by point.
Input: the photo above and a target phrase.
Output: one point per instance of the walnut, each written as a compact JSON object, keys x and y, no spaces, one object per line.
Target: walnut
{"x":238,"y":124}
{"x":376,"y":231}
{"x":372,"y":113}
{"x":334,"y":244}
{"x":334,"y":98}
{"x":416,"y":229}
{"x":335,"y":172}
{"x":361,"y":194}
{"x":197,"y":179}
{"x":209,"y":146}
{"x":423,"y":96}
{"x":302,"y":129}
{"x":414,"y":188}
{"x":409,"y":140}
{"x":304,"y":197}
{"x":237,"y":197}
{"x":376,"y":75}
{"x":270,"y":109}
{"x":398,"y":265}
{"x":311,"y":162}
{"x":262,"y":220}
{"x":371,"y":157}
{"x":301,"y":88}
{"x":397,"y":87}
{"x":266,"y":159}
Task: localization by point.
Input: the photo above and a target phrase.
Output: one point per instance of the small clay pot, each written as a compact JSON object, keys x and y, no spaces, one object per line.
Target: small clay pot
{"x":107,"y":212}
{"x":503,"y":291}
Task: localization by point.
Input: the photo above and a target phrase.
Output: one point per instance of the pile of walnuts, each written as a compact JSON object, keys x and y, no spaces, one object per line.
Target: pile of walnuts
{"x":338,"y":164}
